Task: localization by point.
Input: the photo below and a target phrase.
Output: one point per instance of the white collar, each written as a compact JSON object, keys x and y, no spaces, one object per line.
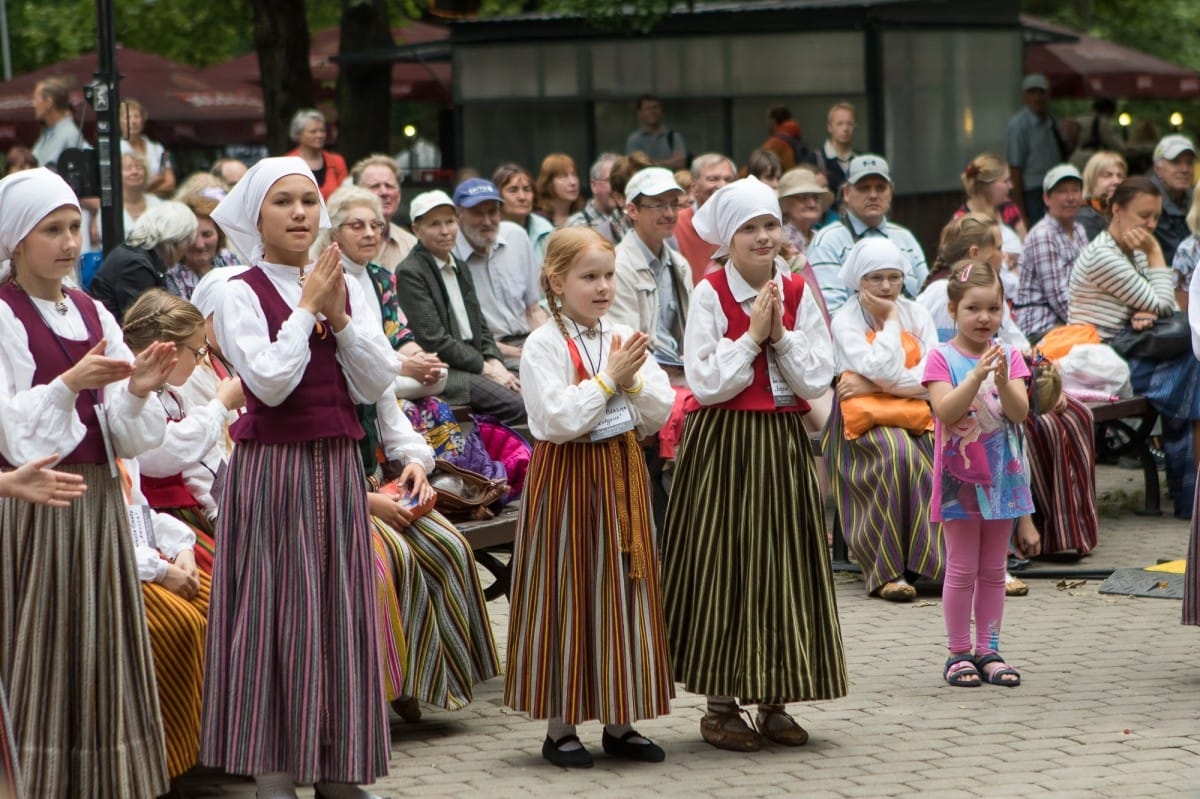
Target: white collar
{"x":743,"y":291}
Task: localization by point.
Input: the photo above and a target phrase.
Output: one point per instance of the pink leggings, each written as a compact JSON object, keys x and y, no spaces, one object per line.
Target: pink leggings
{"x":976,"y":559}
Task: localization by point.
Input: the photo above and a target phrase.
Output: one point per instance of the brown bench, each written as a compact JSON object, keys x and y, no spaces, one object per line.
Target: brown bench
{"x":1133,"y":419}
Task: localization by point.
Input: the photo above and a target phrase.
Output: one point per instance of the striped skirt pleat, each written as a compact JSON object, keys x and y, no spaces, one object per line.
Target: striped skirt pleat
{"x":1191,"y":574}
{"x":10,"y":774}
{"x":444,"y":612}
{"x":882,"y":482}
{"x":1061,"y":449}
{"x":80,"y":683}
{"x":751,"y":610}
{"x":393,"y":646}
{"x":586,"y":637}
{"x":292,"y":680}
{"x":177,"y":628}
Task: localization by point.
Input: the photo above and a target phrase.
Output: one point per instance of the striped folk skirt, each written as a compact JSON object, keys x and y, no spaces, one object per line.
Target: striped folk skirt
{"x":80,"y":685}
{"x":586,"y":638}
{"x":393,"y":643}
{"x":1191,"y":575}
{"x":882,"y":482}
{"x":177,"y":628}
{"x":751,"y":611}
{"x":292,"y":680}
{"x":10,"y":775}
{"x":442,"y":609}
{"x":1061,"y":449}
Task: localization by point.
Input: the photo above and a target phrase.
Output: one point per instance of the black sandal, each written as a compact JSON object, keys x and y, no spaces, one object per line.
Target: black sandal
{"x":997,"y":675}
{"x":961,"y":677}
{"x":570,"y":758}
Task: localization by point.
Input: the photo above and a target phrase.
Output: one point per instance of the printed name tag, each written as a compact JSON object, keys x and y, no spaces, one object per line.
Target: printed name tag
{"x":617,"y":419}
{"x":780,"y":390}
{"x":141,"y":526}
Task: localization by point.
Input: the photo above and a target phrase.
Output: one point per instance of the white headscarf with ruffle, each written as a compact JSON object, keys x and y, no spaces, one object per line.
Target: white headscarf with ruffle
{"x":26,"y":198}
{"x":732,"y":206}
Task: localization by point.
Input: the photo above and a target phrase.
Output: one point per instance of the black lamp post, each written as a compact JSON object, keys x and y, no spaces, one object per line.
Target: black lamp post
{"x":104,"y":97}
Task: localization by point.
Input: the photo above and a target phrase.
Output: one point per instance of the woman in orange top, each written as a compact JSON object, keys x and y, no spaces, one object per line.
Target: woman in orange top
{"x":308,"y":132}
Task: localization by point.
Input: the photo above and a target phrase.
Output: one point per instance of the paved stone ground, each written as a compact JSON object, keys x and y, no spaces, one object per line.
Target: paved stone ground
{"x":1109,"y":707}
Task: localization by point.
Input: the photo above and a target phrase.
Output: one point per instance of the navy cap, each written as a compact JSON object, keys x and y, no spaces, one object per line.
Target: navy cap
{"x":474,"y":191}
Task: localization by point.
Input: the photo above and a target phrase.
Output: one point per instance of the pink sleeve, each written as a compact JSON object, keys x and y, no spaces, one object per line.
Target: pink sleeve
{"x":1016,"y":364}
{"x":936,"y":369}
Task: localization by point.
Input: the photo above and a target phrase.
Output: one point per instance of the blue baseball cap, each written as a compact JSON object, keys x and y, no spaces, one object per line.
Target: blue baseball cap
{"x":474,"y":191}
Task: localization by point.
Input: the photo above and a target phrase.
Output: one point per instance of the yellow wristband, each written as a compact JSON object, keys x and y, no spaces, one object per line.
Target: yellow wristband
{"x":636,"y":388}
{"x":603,"y":382}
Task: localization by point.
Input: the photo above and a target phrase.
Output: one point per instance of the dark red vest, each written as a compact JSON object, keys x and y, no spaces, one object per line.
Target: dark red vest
{"x":320,"y":405}
{"x":168,"y":492}
{"x":757,"y":396}
{"x":51,"y":360}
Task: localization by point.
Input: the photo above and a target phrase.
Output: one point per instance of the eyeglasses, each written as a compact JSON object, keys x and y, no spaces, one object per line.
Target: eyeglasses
{"x":879,"y":280}
{"x":663,"y":206}
{"x":198,"y":352}
{"x":357,"y":225}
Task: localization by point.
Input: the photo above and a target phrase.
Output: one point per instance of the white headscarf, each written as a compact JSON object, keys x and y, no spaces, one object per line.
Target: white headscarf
{"x":238,"y":213}
{"x":210,"y":291}
{"x":26,"y":198}
{"x":873,"y":254}
{"x":732,"y":206}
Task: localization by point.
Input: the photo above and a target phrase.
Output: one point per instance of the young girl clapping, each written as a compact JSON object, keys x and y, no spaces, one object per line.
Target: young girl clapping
{"x":586,"y":638}
{"x":977,"y":390}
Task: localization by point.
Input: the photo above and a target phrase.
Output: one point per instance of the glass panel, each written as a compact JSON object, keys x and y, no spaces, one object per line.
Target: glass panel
{"x":489,"y":72}
{"x":560,"y":70}
{"x":829,"y":62}
{"x":701,"y":123}
{"x":622,"y":68}
{"x":524,"y":132}
{"x":946,"y":101}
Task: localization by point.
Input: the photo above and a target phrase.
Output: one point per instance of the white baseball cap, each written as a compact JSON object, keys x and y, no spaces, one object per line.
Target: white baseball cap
{"x":863,"y":165}
{"x":1172,"y":146}
{"x":424,"y":203}
{"x":1034,"y":82}
{"x":1058,"y":174}
{"x":651,"y":182}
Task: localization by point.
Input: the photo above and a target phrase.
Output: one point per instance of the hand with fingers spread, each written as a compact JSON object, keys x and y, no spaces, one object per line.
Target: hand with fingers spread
{"x":152,"y":367}
{"x":625,"y":358}
{"x":95,"y":370}
{"x":36,"y":482}
{"x":988,"y":363}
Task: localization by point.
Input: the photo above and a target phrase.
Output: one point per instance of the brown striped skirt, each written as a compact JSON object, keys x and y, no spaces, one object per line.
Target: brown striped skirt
{"x":10,"y":775}
{"x":586,"y":638}
{"x":292,"y":680}
{"x":882,"y":482}
{"x":177,"y":638}
{"x":747,"y":584}
{"x":1062,"y":477}
{"x":80,"y":685}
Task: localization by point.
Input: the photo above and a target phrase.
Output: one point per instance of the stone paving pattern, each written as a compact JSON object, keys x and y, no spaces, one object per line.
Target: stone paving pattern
{"x":1109,"y":707}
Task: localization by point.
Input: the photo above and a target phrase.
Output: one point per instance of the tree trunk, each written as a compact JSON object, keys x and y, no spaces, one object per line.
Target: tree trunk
{"x":364,"y":89}
{"x":282,"y":42}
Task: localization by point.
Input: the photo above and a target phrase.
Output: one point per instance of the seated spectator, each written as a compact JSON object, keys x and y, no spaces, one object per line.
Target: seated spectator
{"x":710,"y":172}
{"x":867,"y":198}
{"x":380,"y":174}
{"x":881,"y":341}
{"x":229,"y":170}
{"x":764,"y":165}
{"x":1102,"y":174}
{"x":437,"y":295}
{"x":1053,"y":244}
{"x":988,"y":186}
{"x":1122,"y":279}
{"x":19,"y":158}
{"x":803,"y":200}
{"x":160,"y":174}
{"x":358,"y":228}
{"x":624,"y":168}
{"x":203,"y":183}
{"x":659,"y":144}
{"x":784,"y":140}
{"x":557,"y":191}
{"x":308,"y":132}
{"x":135,"y":199}
{"x":206,"y":251}
{"x":158,"y":239}
{"x":1174,"y":175}
{"x":515,"y":185}
{"x":602,"y":213}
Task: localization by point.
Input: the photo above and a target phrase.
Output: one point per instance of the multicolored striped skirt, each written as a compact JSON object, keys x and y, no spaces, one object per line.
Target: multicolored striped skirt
{"x":80,"y":685}
{"x":292,"y":679}
{"x":442,"y":610}
{"x":177,"y":628}
{"x":1062,"y":477}
{"x":1191,"y":574}
{"x":10,"y":775}
{"x":751,"y":610}
{"x":586,"y":638}
{"x":393,"y":643}
{"x":882,"y":482}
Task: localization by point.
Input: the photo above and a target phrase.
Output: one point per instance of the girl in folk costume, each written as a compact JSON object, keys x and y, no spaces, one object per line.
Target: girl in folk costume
{"x":749,"y":594}
{"x":292,"y":685}
{"x":81,"y":691}
{"x":880,"y":437}
{"x":586,"y":637}
{"x":34,"y":482}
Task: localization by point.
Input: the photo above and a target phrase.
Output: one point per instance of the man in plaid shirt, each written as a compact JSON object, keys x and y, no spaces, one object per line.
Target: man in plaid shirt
{"x":1050,"y":251}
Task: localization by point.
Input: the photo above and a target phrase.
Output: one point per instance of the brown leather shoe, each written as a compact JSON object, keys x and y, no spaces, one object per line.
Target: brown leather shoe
{"x":407,"y":708}
{"x":790,"y":735}
{"x":1015,"y":586}
{"x":729,"y":731}
{"x":898,"y":592}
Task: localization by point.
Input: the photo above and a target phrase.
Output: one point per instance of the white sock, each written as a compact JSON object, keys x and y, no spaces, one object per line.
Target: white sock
{"x":557,"y":729}
{"x":276,"y":785}
{"x":618,"y":730}
{"x":341,"y":790}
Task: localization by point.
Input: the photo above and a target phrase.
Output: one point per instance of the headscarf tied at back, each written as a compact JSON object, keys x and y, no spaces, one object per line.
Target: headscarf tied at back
{"x":26,"y":198}
{"x":732,"y":206}
{"x":238,"y":213}
{"x":872,"y":254}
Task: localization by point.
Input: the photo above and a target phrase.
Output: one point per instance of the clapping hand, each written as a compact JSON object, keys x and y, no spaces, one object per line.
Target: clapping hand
{"x":626,"y":358}
{"x":324,"y":290}
{"x":36,"y":482}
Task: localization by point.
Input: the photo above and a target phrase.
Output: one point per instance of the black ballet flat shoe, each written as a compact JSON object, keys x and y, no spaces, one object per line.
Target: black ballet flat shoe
{"x":572,"y":758}
{"x":318,"y":795}
{"x":622,"y":747}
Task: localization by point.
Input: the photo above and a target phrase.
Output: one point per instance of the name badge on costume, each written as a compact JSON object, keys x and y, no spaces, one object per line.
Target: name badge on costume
{"x":780,"y":390}
{"x":106,"y":434}
{"x":141,"y":526}
{"x":617,"y":419}
{"x":217,"y":492}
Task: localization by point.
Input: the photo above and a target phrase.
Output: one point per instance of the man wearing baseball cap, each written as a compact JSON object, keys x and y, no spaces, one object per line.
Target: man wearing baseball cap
{"x":867,"y":198}
{"x":1051,"y":248}
{"x":654,"y":282}
{"x":1174,"y":162}
{"x":503,"y":265}
{"x":438,"y":297}
{"x":1032,"y":144}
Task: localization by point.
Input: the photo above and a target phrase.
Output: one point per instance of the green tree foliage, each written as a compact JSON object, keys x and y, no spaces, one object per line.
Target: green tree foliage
{"x":622,"y":16}
{"x":1166,"y":29}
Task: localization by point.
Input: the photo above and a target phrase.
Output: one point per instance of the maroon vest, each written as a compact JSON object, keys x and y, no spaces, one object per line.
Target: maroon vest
{"x":51,"y":360}
{"x":319,"y":406}
{"x":168,"y":492}
{"x":757,"y":396}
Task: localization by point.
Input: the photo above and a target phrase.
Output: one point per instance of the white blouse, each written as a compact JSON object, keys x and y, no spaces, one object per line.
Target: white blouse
{"x":36,"y":421}
{"x":562,"y":410}
{"x":400,"y":442}
{"x":718,"y":369}
{"x":882,"y":361}
{"x":194,"y":445}
{"x":272,"y":370}
{"x":171,"y":535}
